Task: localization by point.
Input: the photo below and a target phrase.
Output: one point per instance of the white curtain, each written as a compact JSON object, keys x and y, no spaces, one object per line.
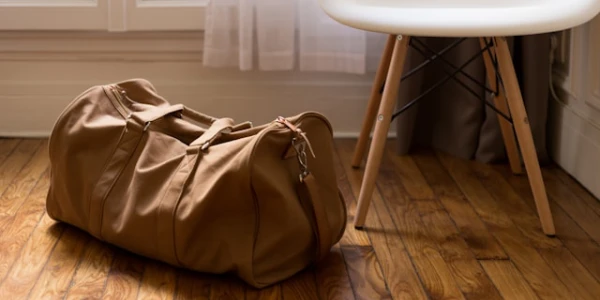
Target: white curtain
{"x":285,"y":35}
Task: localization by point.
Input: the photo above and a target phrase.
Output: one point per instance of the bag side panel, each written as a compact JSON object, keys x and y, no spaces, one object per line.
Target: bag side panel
{"x":322,"y":167}
{"x":81,"y":142}
{"x":285,"y":243}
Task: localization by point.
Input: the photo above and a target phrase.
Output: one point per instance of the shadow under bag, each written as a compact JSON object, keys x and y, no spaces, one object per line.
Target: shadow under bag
{"x":195,"y":191}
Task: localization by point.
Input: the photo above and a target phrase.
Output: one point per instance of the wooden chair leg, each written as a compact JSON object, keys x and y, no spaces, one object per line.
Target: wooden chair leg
{"x":374,"y":101}
{"x":506,"y":127}
{"x":382,"y":126}
{"x":524,"y":136}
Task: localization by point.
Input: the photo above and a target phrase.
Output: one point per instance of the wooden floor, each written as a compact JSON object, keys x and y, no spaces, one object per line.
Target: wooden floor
{"x":439,"y":227}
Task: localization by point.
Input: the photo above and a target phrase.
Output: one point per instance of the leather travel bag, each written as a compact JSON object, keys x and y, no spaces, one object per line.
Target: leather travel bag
{"x":202,"y":193}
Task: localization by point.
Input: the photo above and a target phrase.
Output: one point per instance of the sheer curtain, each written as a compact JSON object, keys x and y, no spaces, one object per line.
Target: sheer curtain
{"x":274,"y":35}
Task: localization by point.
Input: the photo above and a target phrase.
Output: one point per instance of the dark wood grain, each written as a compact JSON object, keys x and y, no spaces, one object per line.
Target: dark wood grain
{"x":91,"y":274}
{"x":272,"y":292}
{"x":17,"y":191}
{"x":472,"y":229}
{"x":158,"y":282}
{"x":332,"y":276}
{"x":575,"y":187}
{"x":124,"y":277}
{"x":302,"y":286}
{"x":566,"y":266}
{"x":469,"y":276}
{"x":508,"y":279}
{"x":396,"y":265}
{"x":56,"y":276}
{"x":579,"y":211}
{"x":525,"y":257}
{"x":193,"y":285}
{"x":18,"y":229}
{"x":365,"y":273}
{"x":572,"y":236}
{"x":24,"y":273}
{"x":6,"y":148}
{"x":409,"y":175}
{"x":434,"y":272}
{"x":13,"y":164}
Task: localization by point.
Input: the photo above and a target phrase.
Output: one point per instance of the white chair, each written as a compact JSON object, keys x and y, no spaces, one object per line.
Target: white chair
{"x":489,"y":20}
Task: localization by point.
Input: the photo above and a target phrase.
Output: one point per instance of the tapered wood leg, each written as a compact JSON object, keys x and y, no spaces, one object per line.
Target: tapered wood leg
{"x":374,"y":101}
{"x":524,"y":136}
{"x":382,"y":125}
{"x":506,"y":127}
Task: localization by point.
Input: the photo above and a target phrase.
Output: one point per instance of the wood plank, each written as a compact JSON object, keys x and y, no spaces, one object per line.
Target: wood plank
{"x":507,"y":199}
{"x":470,"y":277}
{"x":469,"y":224}
{"x":56,"y":276}
{"x":351,"y":235}
{"x":570,"y":234}
{"x":332,"y":276}
{"x":91,"y":275}
{"x":302,"y":286}
{"x":431,"y":267}
{"x":15,"y":162}
{"x":365,"y":273}
{"x":124,"y":277}
{"x":569,"y":270}
{"x":587,"y":219}
{"x":227,"y":288}
{"x":572,"y":273}
{"x":17,"y":191}
{"x":536,"y":271}
{"x":508,"y":279}
{"x":18,"y":231}
{"x":158,"y":281}
{"x":576,"y":188}
{"x":396,"y":265}
{"x":6,"y":148}
{"x":192,"y":285}
{"x":410,"y":176}
{"x":272,"y":292}
{"x":31,"y":260}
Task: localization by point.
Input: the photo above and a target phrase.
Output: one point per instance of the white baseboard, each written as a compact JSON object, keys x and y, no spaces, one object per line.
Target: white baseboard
{"x":576,"y":145}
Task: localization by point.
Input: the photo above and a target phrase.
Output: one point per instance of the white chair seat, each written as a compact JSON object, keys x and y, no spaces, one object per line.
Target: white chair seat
{"x":464,"y":18}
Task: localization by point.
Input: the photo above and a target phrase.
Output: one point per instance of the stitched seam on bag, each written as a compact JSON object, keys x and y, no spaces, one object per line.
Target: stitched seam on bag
{"x":174,"y":212}
{"x":112,"y":185}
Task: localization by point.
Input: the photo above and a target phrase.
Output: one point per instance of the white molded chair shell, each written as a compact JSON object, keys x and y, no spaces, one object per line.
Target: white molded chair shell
{"x":461,"y":18}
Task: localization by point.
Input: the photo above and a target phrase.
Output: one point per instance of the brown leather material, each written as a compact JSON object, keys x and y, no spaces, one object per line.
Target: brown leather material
{"x":192,"y":190}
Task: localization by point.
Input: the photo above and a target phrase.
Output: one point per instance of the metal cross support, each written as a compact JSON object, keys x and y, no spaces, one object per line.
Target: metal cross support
{"x":432,"y":56}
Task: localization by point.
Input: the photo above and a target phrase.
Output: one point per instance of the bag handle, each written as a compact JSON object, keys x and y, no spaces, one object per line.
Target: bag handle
{"x":214,"y":132}
{"x":151,"y":115}
{"x":321,"y":227}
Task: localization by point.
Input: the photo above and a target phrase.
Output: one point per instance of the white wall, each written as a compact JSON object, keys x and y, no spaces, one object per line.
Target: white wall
{"x":40,"y":72}
{"x":575,"y":116}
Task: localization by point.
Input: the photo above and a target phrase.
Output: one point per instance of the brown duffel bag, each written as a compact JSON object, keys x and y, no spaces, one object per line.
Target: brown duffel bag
{"x":140,"y":173}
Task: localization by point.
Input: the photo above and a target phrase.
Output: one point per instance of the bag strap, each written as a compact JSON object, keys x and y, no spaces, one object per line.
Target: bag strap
{"x":214,"y":132}
{"x":321,"y":227}
{"x":151,"y":115}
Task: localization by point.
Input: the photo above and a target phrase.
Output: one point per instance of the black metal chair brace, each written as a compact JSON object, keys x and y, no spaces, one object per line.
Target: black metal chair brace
{"x":422,"y":48}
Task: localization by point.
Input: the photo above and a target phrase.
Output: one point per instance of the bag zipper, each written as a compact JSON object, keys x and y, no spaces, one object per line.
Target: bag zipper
{"x":119,"y":96}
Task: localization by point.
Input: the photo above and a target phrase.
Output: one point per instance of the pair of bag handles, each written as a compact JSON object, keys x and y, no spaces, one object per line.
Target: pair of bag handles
{"x":217,"y":126}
